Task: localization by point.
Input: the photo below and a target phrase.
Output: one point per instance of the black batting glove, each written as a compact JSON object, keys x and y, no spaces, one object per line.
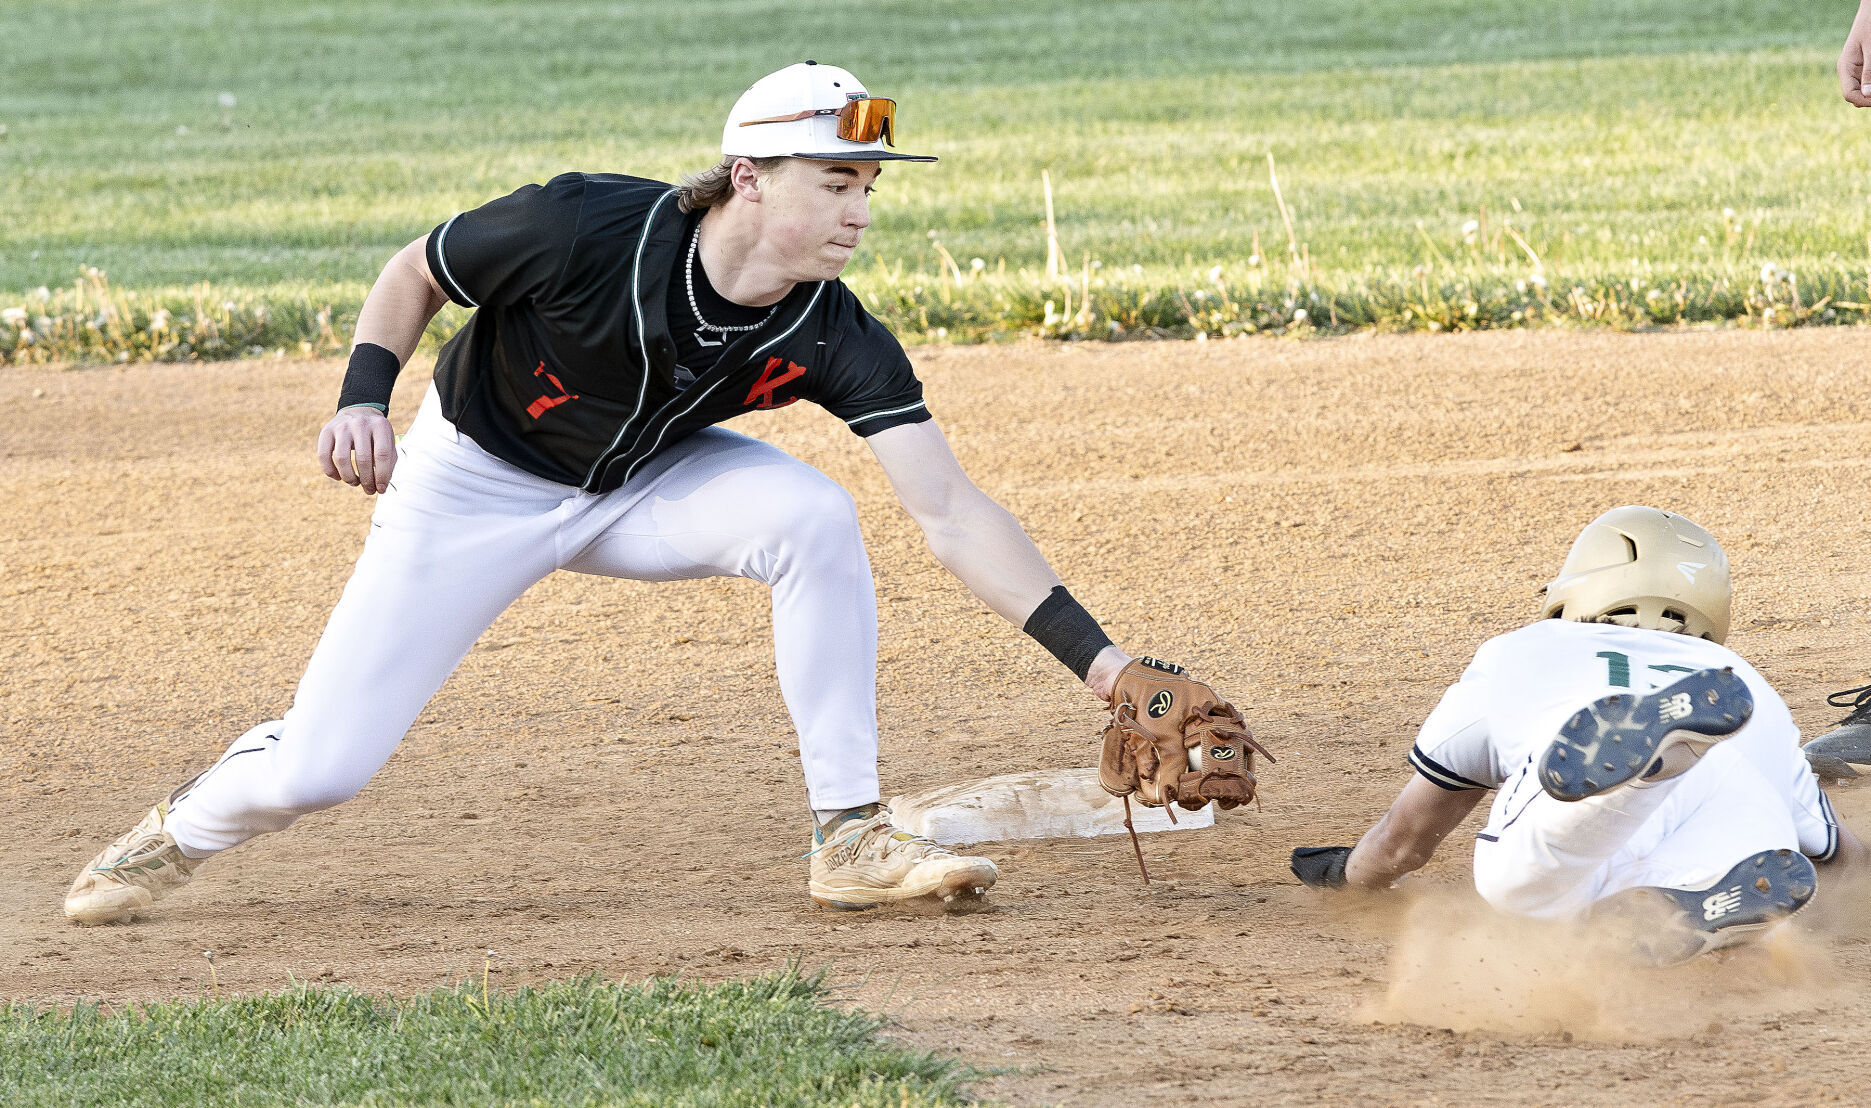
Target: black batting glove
{"x":1322,"y":867}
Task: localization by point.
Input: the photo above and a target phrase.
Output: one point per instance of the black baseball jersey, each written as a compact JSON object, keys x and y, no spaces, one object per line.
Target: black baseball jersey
{"x":567,"y":367}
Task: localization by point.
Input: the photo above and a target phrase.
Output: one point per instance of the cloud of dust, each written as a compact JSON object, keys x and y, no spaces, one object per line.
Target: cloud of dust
{"x":1456,"y":963}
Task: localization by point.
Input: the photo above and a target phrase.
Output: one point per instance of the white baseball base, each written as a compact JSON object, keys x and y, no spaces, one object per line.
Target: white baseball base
{"x":1050,"y":804}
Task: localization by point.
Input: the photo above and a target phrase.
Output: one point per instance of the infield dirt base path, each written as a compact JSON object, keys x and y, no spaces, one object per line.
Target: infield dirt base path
{"x":609,"y":784}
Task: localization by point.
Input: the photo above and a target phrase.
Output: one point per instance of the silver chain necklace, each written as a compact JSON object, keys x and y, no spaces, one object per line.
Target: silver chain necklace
{"x":688,"y":276}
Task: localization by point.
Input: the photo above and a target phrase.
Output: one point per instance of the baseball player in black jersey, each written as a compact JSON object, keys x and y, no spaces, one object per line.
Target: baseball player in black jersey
{"x":572,"y":424}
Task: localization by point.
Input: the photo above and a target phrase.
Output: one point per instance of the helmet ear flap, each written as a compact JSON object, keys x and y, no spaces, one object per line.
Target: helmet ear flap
{"x":1642,"y":567}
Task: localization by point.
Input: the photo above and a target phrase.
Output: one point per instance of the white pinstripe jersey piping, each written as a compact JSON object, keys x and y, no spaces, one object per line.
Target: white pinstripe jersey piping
{"x":885,"y":412}
{"x":442,"y":256}
{"x":643,"y":347}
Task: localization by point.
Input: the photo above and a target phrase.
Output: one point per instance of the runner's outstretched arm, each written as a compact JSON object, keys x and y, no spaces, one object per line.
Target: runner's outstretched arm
{"x":1407,"y":836}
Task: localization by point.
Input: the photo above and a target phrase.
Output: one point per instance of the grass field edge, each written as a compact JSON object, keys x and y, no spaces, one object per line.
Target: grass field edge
{"x":93,"y":322}
{"x":782,"y":1037}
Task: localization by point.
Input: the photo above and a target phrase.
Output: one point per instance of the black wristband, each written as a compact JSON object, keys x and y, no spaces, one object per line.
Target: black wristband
{"x":1064,"y":627}
{"x":370,"y":377}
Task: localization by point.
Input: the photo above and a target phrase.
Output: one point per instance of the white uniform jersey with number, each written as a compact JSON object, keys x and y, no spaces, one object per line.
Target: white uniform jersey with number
{"x":1522,"y":686}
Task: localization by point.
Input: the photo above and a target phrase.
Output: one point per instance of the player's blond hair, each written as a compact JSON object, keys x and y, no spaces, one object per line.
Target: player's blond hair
{"x":714,"y":185}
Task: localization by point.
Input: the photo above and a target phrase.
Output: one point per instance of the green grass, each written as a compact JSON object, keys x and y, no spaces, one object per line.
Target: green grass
{"x":1678,"y":144}
{"x":768,"y":1041}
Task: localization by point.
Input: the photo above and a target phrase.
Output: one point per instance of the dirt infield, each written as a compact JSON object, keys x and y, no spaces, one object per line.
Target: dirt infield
{"x":1325,"y":529}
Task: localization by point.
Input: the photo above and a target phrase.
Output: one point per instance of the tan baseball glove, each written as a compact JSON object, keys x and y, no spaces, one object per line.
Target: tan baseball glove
{"x":1173,"y":740}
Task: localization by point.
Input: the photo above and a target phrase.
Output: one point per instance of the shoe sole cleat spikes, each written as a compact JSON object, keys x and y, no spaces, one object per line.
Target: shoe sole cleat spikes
{"x":1623,"y":737}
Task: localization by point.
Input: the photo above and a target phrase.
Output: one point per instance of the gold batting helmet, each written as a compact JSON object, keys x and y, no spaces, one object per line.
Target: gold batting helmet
{"x":1642,"y":567}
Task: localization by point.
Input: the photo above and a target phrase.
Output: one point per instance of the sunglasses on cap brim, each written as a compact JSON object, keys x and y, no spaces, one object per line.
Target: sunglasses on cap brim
{"x":862,"y":119}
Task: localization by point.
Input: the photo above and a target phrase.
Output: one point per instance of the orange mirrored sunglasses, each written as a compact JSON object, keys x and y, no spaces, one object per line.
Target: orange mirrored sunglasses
{"x":862,"y":119}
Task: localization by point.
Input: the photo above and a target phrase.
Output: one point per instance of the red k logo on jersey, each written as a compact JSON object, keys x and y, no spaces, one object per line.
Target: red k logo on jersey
{"x":771,"y":378}
{"x":539,"y":407}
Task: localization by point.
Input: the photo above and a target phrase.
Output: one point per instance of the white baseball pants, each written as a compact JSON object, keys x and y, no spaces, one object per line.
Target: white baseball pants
{"x":461,"y":534}
{"x":1552,"y":859}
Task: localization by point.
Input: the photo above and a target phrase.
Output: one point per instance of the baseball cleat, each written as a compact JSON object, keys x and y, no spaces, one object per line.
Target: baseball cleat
{"x":1669,"y":926}
{"x":1629,"y":737}
{"x":1833,"y":754}
{"x":132,"y":873}
{"x":864,"y":860}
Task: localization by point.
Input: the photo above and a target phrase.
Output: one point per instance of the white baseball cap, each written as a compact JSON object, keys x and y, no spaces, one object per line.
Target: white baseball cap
{"x":799,"y":111}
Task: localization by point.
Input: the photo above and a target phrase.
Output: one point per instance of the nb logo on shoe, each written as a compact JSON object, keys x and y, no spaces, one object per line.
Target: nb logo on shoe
{"x":1674,"y":707}
{"x":1159,"y":704}
{"x":1722,"y":903}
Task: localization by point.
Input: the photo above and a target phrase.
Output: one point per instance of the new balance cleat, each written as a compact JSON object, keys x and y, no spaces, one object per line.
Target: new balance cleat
{"x":1669,"y":926}
{"x":863,"y":860}
{"x":132,"y":873}
{"x":1630,"y":737}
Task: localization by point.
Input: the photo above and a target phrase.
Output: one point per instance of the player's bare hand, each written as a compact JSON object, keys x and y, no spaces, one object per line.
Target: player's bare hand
{"x":1101,"y":678}
{"x":358,"y":447}
{"x":1855,"y":61}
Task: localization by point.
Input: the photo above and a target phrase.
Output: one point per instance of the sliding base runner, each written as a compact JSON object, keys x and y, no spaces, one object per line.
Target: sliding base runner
{"x":1640,"y":769}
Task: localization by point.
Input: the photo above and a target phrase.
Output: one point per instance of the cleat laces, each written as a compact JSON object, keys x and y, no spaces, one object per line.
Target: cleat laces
{"x":148,"y":851}
{"x":1858,"y":700}
{"x":863,"y":840}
